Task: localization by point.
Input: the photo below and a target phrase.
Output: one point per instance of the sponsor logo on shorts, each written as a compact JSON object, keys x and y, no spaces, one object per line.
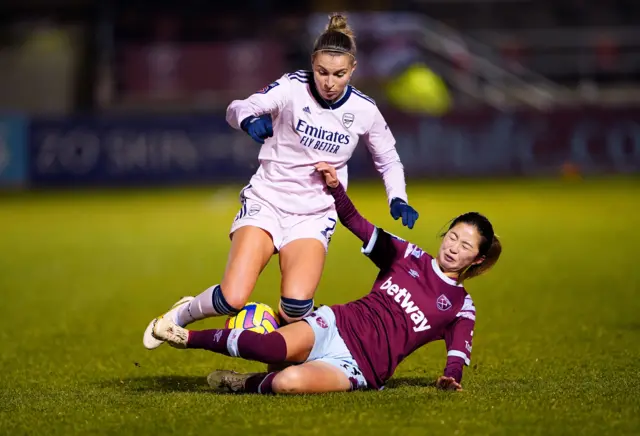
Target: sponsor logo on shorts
{"x":321,"y":322}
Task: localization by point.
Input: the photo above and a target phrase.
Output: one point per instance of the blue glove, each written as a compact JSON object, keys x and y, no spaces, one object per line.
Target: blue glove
{"x":258,"y":128}
{"x":400,"y":208}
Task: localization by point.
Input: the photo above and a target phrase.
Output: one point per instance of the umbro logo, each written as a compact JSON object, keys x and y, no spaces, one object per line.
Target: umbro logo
{"x":413,"y":273}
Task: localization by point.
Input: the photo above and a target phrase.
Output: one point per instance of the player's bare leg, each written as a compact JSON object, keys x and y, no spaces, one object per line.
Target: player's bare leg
{"x":292,"y":343}
{"x":311,"y":378}
{"x":299,"y":338}
{"x":307,"y":378}
{"x":301,"y":265}
{"x":251,"y":249}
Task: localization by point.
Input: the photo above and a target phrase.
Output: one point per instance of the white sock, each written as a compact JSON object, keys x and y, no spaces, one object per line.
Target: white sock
{"x":199,"y":308}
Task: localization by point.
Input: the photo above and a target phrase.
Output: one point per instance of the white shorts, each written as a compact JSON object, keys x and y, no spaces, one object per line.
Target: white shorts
{"x":284,"y":227}
{"x":329,"y":346}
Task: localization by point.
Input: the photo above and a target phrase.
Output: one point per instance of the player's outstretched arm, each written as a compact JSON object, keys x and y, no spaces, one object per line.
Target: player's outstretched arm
{"x":459,"y":340}
{"x":347,"y":212}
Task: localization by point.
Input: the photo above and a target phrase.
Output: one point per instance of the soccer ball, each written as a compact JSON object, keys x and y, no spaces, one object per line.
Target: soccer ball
{"x":257,"y":317}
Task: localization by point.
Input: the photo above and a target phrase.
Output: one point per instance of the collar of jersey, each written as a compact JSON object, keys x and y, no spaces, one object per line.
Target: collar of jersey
{"x":322,"y":102}
{"x":443,"y":277}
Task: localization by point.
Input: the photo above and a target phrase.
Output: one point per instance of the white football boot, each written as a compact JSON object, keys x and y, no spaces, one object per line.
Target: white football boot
{"x":168,"y":331}
{"x":229,"y":381}
{"x":148,"y":340}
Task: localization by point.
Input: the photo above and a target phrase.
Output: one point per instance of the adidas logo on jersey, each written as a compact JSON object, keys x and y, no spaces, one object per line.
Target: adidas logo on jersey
{"x":420,"y":322}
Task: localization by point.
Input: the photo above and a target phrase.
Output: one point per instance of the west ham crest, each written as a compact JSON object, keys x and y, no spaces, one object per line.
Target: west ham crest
{"x":347,"y":119}
{"x":321,"y":322}
{"x":443,"y":303}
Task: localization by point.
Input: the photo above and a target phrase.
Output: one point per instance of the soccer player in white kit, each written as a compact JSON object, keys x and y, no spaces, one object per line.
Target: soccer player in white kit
{"x":301,"y":119}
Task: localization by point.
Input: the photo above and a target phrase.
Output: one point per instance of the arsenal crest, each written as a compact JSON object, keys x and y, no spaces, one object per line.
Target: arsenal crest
{"x":347,"y":120}
{"x":443,"y":303}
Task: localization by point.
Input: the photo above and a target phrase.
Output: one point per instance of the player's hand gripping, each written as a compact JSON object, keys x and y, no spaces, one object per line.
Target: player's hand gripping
{"x":329,"y":174}
{"x":448,"y":384}
{"x":400,"y":208}
{"x":258,"y":128}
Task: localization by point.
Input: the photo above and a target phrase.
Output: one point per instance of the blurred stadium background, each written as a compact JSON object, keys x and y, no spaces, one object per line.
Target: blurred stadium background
{"x":135,"y":91}
{"x":525,"y":110}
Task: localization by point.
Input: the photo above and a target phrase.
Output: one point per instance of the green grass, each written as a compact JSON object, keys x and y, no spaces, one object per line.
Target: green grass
{"x":556,"y":349}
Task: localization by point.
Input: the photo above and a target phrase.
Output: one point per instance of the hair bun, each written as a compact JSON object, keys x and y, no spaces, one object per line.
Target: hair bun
{"x":338,"y":23}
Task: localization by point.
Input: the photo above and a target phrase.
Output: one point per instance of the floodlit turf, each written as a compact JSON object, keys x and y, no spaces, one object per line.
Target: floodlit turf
{"x":556,"y":346}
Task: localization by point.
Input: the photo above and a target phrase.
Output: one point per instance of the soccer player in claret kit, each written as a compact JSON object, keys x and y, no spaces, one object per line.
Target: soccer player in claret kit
{"x":301,"y":119}
{"x":416,"y":299}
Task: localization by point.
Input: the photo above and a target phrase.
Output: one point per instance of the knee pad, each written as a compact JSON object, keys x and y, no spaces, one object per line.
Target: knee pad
{"x":292,"y":309}
{"x":221,"y":305}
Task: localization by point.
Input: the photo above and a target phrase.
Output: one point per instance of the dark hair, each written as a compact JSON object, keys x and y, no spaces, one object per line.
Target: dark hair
{"x":490,"y":246}
{"x":337,"y":37}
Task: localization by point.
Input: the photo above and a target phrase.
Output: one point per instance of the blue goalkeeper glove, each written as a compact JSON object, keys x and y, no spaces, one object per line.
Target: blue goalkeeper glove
{"x":400,"y":208}
{"x":258,"y":128}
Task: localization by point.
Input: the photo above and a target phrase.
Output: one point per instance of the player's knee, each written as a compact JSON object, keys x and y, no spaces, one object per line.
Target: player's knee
{"x":237,"y":301}
{"x":289,"y":381}
{"x":293,"y":309}
{"x":228,"y":302}
{"x":236,"y":291}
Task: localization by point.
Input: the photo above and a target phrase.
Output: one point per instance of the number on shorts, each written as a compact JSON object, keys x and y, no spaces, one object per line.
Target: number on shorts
{"x":328,"y":231}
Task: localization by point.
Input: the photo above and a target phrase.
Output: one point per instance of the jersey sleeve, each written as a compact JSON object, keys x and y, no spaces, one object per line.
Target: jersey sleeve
{"x":270,"y":99}
{"x":382,"y":146}
{"x":459,"y":338}
{"x":381,"y":247}
{"x":384,"y":248}
{"x":349,"y":215}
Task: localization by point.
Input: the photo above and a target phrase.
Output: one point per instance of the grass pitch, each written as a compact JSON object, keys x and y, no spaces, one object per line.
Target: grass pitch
{"x":555,"y":351}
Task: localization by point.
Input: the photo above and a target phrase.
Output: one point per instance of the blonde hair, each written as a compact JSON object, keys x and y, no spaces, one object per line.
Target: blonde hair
{"x":338,"y":37}
{"x":338,"y":23}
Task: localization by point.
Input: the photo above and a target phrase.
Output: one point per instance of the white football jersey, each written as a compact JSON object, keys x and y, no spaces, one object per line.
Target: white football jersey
{"x":307,"y":130}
